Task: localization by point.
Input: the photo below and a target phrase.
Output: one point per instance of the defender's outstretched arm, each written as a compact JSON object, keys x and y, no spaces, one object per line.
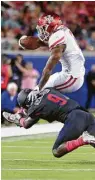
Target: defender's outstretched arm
{"x":27,"y":122}
{"x":20,"y":119}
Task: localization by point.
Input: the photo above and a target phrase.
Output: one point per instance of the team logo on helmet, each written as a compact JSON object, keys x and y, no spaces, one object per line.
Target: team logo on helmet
{"x":49,"y":19}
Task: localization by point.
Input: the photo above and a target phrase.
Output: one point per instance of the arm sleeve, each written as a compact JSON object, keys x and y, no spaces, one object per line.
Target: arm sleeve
{"x":56,"y":39}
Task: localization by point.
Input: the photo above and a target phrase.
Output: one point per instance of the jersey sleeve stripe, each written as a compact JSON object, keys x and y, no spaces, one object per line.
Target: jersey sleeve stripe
{"x":57,"y":42}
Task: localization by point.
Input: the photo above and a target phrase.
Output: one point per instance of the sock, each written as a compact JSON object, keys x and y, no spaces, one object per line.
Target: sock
{"x":74,"y":144}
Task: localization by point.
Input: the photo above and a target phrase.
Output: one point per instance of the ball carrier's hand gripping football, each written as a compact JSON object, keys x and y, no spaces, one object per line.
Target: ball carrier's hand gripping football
{"x":20,"y":41}
{"x":30,"y":42}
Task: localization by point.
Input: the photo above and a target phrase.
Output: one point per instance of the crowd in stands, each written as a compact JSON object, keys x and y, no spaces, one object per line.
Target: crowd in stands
{"x":15,"y":75}
{"x":90,"y":79}
{"x":17,"y":71}
{"x":9,"y":99}
{"x":20,"y":18}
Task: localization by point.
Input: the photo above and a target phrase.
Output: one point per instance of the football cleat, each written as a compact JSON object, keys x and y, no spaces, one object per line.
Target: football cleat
{"x":89,"y":139}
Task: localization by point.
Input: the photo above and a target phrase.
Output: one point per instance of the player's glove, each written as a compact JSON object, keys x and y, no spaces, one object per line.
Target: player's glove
{"x":33,"y":94}
{"x":36,"y":88}
{"x":13,"y":118}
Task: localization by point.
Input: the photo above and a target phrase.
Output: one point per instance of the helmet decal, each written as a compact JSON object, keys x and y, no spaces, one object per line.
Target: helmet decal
{"x":49,"y":19}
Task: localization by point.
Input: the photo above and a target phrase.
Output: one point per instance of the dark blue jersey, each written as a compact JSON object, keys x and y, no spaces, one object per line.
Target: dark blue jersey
{"x":52,"y":105}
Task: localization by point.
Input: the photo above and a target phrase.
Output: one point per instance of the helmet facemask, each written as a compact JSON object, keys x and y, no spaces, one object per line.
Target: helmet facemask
{"x":27,"y":103}
{"x":26,"y":98}
{"x":47,"y":23}
{"x":43,"y":34}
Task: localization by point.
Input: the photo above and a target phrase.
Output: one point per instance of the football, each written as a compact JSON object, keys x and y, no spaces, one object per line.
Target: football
{"x":29,"y":42}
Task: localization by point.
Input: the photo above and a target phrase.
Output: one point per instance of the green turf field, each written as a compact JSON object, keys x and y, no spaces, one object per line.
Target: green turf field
{"x":32,"y":159}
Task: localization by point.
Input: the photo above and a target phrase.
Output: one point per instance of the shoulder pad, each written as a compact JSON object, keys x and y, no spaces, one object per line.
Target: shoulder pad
{"x":57,"y":38}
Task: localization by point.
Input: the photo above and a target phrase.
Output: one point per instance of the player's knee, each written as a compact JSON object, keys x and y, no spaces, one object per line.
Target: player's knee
{"x":55,"y":153}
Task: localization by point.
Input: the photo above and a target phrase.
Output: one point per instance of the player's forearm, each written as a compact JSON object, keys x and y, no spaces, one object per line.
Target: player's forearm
{"x":27,"y":122}
{"x":52,"y":61}
{"x":44,"y":79}
{"x":30,"y":43}
{"x":20,"y":119}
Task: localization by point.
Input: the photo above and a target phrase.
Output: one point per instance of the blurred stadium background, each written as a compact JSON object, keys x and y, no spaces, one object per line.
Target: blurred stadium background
{"x":22,"y":69}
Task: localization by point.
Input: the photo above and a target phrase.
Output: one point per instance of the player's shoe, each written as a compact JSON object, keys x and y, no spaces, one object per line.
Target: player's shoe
{"x":13,"y":118}
{"x":87,"y":138}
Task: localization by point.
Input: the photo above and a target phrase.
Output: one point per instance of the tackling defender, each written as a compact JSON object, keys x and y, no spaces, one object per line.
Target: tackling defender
{"x":51,"y":105}
{"x":64,"y":49}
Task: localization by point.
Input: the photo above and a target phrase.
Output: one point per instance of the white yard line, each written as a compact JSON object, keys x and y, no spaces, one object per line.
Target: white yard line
{"x":20,"y":152}
{"x":33,"y":147}
{"x":34,"y":142}
{"x":43,"y":160}
{"x":46,"y":169}
{"x":32,"y":179}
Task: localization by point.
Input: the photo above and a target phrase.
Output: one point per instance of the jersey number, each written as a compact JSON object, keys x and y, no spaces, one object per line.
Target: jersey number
{"x":56,"y":99}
